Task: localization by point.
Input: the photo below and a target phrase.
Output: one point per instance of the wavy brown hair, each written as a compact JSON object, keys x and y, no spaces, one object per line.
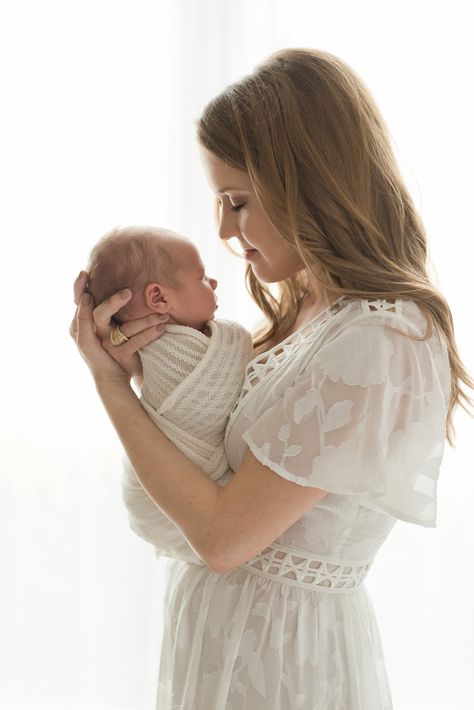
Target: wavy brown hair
{"x":307,"y":131}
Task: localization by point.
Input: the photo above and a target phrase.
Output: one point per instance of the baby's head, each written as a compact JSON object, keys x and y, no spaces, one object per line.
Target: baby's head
{"x":162,"y":269}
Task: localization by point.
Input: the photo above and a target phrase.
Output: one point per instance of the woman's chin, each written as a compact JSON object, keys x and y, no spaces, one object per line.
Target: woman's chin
{"x":265,"y":273}
{"x":266,"y":276}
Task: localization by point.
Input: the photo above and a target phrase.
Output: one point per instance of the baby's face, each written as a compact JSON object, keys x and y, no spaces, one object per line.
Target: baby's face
{"x":194,"y":302}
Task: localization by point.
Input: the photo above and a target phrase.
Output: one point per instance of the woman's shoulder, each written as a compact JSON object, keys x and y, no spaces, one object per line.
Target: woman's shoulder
{"x":375,"y":314}
{"x":348,"y":328}
{"x":364,"y":328}
{"x":381,"y":311}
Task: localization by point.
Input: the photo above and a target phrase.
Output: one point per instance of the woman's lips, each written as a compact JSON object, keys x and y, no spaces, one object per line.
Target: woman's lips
{"x":250,"y":252}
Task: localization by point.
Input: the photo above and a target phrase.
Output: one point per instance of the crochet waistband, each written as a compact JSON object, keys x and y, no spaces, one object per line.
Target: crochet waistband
{"x":280,"y":563}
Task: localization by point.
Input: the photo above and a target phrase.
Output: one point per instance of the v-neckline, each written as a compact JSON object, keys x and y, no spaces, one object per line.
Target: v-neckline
{"x":297,"y":332}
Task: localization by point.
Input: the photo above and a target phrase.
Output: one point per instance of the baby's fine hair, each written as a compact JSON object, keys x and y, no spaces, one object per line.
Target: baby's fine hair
{"x":130,"y":257}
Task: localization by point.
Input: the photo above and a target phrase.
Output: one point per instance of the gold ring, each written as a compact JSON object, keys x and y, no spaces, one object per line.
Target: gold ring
{"x":117,"y":337}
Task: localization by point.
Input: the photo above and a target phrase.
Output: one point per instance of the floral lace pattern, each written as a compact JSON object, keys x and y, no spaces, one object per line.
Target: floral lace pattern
{"x":347,"y":405}
{"x":364,"y":416}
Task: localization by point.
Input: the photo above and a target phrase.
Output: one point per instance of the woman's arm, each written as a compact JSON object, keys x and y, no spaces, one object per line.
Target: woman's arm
{"x":179,"y":487}
{"x":226,"y":525}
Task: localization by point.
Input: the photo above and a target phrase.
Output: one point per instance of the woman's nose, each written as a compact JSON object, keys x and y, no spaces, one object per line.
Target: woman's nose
{"x":227,"y":227}
{"x":227,"y":230}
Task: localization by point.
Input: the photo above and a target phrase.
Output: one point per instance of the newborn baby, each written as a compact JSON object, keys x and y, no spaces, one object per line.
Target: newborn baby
{"x":192,"y":375}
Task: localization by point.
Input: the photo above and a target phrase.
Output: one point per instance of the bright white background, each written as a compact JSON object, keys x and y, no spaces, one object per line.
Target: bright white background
{"x":98,"y":103}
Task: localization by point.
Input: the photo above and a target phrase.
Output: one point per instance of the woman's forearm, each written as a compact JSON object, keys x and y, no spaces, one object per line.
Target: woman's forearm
{"x":178,"y":487}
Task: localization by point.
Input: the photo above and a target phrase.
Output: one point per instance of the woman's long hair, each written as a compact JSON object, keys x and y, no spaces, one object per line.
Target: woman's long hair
{"x":318,"y":154}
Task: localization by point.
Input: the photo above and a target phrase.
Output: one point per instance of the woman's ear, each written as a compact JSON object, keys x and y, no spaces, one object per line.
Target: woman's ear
{"x":156,"y":299}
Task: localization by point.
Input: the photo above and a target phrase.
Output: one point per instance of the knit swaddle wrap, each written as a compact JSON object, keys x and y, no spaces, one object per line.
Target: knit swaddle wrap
{"x":190,"y":385}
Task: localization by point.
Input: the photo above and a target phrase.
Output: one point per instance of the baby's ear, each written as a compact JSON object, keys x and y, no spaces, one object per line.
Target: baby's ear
{"x":155,"y":299}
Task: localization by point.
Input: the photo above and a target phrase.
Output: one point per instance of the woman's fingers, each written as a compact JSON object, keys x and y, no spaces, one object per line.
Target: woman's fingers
{"x":133,"y":327}
{"x":73,"y":326}
{"x":107,"y":308}
{"x":89,"y":345}
{"x":85,"y":323}
{"x":84,"y":330}
{"x":90,"y":328}
{"x":145,"y":337}
{"x":127,"y":353}
{"x":80,"y":286}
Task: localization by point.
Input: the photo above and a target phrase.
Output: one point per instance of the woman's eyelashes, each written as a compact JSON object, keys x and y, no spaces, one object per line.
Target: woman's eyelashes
{"x":234,"y":208}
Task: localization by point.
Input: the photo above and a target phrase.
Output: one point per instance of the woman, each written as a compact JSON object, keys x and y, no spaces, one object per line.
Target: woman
{"x":339,"y":430}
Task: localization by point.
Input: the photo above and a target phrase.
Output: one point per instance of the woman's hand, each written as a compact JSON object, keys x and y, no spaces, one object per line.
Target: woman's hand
{"x":91,"y":328}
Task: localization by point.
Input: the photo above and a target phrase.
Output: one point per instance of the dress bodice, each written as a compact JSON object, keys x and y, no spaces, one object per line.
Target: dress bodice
{"x":342,"y":404}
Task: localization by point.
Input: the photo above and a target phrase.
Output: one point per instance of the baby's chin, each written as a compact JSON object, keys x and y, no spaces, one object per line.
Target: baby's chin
{"x":203,"y":327}
{"x":205,"y":322}
{"x":207,"y":317}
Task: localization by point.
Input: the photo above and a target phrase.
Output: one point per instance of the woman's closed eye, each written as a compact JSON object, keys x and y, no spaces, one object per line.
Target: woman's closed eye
{"x":236,"y":208}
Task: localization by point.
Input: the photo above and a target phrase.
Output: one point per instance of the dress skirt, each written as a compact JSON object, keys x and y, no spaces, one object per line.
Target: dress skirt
{"x":253,"y":640}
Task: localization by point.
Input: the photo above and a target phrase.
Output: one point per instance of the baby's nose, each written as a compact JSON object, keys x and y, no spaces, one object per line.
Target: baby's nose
{"x":213,"y":283}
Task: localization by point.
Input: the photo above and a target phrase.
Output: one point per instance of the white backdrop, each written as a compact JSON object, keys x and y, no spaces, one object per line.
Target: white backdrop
{"x":98,"y":103}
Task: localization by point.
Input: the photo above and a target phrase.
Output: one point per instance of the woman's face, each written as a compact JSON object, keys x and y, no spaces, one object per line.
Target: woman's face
{"x":241,"y":216}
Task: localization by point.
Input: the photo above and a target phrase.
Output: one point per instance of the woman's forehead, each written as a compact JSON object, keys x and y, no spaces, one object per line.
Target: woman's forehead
{"x":223,"y":177}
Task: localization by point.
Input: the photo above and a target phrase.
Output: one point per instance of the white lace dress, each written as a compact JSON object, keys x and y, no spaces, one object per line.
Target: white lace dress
{"x":350,"y":406}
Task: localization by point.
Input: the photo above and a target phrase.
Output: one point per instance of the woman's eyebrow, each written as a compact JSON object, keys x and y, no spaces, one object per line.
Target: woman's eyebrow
{"x":224,"y":189}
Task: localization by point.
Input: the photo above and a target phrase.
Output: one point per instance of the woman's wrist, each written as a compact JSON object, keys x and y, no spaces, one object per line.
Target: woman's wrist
{"x":107,"y":384}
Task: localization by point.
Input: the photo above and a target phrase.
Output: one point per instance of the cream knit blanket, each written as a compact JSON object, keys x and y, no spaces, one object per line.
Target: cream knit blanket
{"x":190,"y":385}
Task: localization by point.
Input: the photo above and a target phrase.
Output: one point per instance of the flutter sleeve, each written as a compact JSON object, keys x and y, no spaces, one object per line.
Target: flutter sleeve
{"x":365,"y":417}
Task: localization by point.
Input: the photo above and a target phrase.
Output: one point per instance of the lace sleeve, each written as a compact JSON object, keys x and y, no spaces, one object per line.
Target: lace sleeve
{"x":366,"y":417}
